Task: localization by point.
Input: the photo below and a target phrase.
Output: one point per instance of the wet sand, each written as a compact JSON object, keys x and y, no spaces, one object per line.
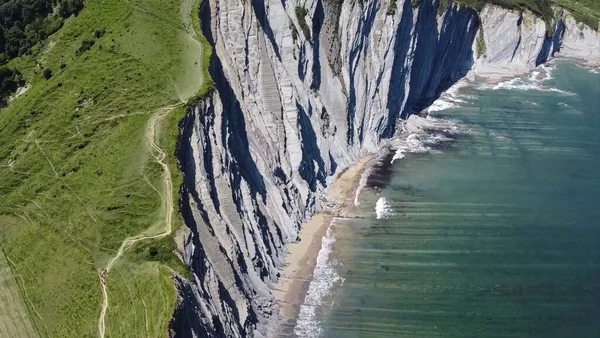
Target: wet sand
{"x":301,"y":260}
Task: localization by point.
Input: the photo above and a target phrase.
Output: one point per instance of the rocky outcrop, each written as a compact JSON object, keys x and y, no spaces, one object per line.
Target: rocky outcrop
{"x":516,"y":42}
{"x":299,"y":98}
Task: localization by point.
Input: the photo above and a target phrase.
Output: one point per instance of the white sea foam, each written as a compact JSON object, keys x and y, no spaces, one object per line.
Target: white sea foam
{"x":398,"y":155}
{"x":595,"y":70}
{"x":451,"y":98}
{"x":412,"y":144}
{"x":383,"y":208}
{"x":361,"y":184}
{"x":324,"y":278}
{"x":441,"y":104}
{"x":534,"y":82}
{"x":420,"y":134}
{"x":569,"y":109}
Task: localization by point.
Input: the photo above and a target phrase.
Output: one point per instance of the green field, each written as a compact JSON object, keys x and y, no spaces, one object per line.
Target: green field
{"x":78,"y":177}
{"x":14,"y":318}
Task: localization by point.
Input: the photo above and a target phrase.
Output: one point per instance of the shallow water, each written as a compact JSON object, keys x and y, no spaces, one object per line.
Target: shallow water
{"x":497,"y":236}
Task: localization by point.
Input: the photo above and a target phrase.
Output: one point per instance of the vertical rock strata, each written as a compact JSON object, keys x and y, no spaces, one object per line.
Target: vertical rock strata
{"x":291,"y":109}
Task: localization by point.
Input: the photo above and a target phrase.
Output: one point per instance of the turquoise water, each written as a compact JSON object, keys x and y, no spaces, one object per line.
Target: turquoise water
{"x":496,"y":236}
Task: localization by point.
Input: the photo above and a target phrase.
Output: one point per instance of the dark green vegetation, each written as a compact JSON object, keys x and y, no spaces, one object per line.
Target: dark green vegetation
{"x":481,"y":48}
{"x":294,"y":31}
{"x":76,"y":175}
{"x":301,"y":13}
{"x":27,"y":22}
{"x":392,"y":7}
{"x":10,"y":80}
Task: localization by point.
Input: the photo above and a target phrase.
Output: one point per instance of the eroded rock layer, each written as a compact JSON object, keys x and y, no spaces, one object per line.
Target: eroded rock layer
{"x":298,"y":98}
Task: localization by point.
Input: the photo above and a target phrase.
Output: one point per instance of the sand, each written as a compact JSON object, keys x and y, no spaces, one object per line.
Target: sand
{"x":301,"y":260}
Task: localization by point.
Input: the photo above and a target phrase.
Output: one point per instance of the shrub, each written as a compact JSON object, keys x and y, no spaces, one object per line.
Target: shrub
{"x":481,"y":48}
{"x":301,"y":14}
{"x":294,"y":32}
{"x":85,"y":46}
{"x":10,"y":80}
{"x":391,"y":7}
{"x":47,"y":73}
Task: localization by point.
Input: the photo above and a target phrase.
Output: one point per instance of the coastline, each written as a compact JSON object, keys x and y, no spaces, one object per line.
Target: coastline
{"x":292,"y":287}
{"x":340,"y":200}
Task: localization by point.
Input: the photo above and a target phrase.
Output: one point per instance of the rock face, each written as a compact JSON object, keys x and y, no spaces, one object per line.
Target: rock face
{"x":517,"y":42}
{"x":296,"y":100}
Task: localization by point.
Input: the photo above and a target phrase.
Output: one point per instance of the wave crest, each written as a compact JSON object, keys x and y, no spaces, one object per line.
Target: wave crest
{"x":324,"y":278}
{"x":383,"y":209}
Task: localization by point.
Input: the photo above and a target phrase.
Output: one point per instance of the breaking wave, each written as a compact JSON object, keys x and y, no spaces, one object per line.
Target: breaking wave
{"x":383,"y":208}
{"x":451,"y":98}
{"x":324,"y":278}
{"x":534,"y":82}
{"x":413,"y":144}
{"x":423,"y":133}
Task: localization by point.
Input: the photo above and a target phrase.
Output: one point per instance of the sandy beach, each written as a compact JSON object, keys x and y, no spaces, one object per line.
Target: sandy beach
{"x":291,"y":288}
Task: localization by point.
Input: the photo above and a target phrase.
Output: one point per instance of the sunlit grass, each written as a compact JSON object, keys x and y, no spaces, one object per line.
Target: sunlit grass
{"x":76,"y":177}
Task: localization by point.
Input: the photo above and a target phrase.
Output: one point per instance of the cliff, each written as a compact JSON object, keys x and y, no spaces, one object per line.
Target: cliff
{"x":298,"y":98}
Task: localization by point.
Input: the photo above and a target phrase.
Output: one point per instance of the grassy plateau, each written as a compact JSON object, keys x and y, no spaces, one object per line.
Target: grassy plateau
{"x":77,"y":176}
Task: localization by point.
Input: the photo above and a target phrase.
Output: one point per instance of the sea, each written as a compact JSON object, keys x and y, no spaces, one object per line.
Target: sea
{"x":495,"y":234}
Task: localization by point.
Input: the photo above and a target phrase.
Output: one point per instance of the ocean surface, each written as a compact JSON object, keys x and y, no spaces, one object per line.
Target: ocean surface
{"x":496,"y":235}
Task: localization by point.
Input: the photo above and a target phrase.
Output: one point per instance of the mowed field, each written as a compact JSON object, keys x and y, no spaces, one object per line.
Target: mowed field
{"x":14,"y":319}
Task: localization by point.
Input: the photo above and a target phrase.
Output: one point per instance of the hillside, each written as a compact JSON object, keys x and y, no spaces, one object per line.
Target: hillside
{"x":78,"y":175}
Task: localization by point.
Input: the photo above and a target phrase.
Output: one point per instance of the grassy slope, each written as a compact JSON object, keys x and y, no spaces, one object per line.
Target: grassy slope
{"x":586,"y":11}
{"x":81,"y":179}
{"x":14,"y":318}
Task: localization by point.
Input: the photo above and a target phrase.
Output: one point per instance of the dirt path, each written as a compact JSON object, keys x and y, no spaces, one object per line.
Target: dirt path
{"x":159,"y":156}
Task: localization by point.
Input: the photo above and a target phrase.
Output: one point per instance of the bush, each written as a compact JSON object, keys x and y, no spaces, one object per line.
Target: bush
{"x":85,"y":46}
{"x":10,"y":80}
{"x":481,"y":48}
{"x":301,"y":14}
{"x":27,"y":22}
{"x":391,"y":7}
{"x":70,"y":7}
{"x":47,"y":73}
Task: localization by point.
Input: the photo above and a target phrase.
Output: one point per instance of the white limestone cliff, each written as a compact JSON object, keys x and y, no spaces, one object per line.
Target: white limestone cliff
{"x":290,"y":110}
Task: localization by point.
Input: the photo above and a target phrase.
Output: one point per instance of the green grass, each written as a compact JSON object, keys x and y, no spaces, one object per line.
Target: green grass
{"x":208,"y":83}
{"x":14,"y":317}
{"x":81,"y":178}
{"x":148,"y":284}
{"x":586,"y":11}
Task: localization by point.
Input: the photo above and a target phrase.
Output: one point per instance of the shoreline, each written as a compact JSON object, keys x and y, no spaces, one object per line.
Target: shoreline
{"x":338,"y":201}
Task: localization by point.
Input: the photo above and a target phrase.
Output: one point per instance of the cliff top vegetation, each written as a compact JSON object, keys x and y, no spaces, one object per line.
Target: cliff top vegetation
{"x":586,"y":11}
